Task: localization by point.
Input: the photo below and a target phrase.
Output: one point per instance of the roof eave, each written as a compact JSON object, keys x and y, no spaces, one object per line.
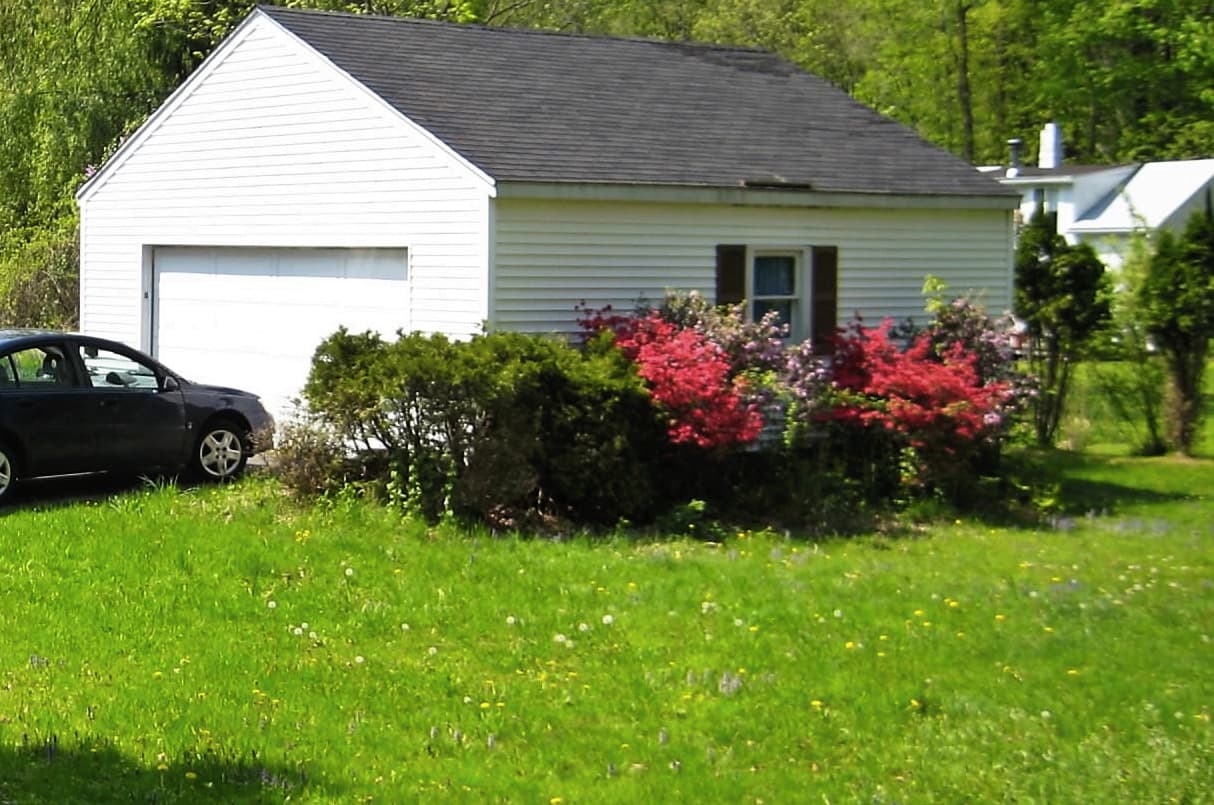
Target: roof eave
{"x":750,"y":196}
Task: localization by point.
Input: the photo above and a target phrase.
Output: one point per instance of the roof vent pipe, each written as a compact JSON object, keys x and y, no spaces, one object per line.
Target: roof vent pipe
{"x":1013,"y":161}
{"x":1051,"y":146}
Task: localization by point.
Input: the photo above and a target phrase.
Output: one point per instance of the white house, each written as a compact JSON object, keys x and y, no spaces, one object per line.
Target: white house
{"x":1105,"y":205}
{"x":325,"y":169}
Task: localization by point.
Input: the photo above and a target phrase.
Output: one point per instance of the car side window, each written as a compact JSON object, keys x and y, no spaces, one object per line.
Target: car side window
{"x":39,"y":368}
{"x":111,"y":370}
{"x":7,"y":374}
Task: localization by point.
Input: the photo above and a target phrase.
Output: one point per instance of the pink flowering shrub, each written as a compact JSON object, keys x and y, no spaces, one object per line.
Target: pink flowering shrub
{"x":932,"y":400}
{"x":927,"y":410}
{"x":688,"y":377}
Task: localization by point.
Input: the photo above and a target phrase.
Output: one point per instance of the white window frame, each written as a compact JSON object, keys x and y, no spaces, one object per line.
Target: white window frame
{"x":798,"y":326}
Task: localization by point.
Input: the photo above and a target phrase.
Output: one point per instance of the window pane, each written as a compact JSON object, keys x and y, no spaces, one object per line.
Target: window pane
{"x":40,"y":367}
{"x":775,"y":275}
{"x":783,"y":307}
{"x":108,"y":369}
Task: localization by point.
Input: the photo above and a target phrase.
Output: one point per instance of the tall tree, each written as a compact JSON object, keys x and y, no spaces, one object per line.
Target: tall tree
{"x":1178,"y":305}
{"x":1063,"y":296}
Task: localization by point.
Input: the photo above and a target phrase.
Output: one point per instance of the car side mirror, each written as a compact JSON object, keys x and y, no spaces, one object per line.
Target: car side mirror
{"x":170,"y":384}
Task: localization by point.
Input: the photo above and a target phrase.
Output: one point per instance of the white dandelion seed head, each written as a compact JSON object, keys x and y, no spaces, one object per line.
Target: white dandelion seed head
{"x":404,"y":627}
{"x":838,"y":613}
{"x":739,"y":622}
{"x":313,"y":636}
{"x":583,"y":627}
{"x":349,"y":572}
{"x":608,"y":620}
{"x":359,"y":660}
{"x":559,"y":638}
{"x":297,"y":631}
{"x":271,"y":604}
{"x":304,"y":626}
{"x":511,"y":620}
{"x":433,"y":650}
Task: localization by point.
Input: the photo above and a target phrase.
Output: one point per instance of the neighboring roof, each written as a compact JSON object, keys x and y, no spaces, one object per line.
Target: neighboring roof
{"x":1030,"y":175}
{"x":536,"y":106}
{"x":1149,"y":198}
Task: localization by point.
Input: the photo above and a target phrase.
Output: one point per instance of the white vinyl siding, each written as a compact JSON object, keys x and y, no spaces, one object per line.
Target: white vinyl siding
{"x":549,"y":256}
{"x":270,"y":146}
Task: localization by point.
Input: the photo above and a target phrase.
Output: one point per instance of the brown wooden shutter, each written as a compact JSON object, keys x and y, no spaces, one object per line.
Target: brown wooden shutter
{"x":731,"y":274}
{"x":824,"y":298}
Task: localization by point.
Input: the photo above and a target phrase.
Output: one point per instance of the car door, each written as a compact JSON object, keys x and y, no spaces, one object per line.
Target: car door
{"x":138,"y":411}
{"x":45,"y":408}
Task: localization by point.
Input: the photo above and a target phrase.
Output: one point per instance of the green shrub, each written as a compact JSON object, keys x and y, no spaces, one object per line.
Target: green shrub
{"x":504,"y":427}
{"x":39,"y":276}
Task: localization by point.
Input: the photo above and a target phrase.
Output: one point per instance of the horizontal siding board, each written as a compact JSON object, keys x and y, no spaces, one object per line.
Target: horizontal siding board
{"x":548,"y":256}
{"x":269,"y":146}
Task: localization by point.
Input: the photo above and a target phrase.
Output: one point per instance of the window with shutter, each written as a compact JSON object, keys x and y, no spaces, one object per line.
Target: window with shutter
{"x":799,"y":284}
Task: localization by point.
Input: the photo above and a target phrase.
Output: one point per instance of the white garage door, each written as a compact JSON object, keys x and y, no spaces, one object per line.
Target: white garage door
{"x":251,"y":318}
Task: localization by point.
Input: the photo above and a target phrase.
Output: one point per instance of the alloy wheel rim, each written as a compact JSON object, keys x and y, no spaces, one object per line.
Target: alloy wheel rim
{"x":220,"y":453}
{"x":6,"y":473}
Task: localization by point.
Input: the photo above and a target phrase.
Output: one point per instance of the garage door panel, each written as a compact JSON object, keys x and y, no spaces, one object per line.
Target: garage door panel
{"x":252,"y":318}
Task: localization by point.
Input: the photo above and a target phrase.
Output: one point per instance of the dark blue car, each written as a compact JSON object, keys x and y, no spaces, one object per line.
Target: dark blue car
{"x":75,"y":404}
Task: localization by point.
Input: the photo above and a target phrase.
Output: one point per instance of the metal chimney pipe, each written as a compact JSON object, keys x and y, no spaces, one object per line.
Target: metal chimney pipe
{"x":1013,"y":166}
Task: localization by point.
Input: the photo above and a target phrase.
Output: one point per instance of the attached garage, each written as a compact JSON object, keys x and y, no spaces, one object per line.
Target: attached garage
{"x":252,"y":317}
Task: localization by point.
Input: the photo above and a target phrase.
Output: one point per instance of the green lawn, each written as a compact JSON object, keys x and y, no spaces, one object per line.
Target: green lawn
{"x":223,"y":645}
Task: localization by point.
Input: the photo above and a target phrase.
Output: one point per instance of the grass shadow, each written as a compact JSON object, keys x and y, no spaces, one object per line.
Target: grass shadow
{"x":1083,"y":483}
{"x":93,"y":771}
{"x":54,"y":493}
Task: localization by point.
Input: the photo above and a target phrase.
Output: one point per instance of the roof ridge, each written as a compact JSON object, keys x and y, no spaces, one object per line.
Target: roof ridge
{"x":518,"y":30}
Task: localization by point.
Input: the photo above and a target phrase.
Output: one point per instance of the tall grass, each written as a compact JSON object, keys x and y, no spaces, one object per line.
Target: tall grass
{"x":222,"y":645}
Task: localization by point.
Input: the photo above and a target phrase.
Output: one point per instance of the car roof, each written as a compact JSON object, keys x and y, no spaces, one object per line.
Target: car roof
{"x":15,"y":337}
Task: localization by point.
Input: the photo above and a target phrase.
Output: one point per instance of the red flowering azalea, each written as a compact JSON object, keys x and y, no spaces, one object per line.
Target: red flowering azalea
{"x":936,"y":401}
{"x":688,"y":378}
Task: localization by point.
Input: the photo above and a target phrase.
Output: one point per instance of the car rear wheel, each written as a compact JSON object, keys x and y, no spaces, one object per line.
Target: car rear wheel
{"x":8,"y":470}
{"x":220,"y":452}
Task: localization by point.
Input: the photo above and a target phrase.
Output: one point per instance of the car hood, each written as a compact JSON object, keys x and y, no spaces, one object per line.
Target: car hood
{"x":224,"y":390}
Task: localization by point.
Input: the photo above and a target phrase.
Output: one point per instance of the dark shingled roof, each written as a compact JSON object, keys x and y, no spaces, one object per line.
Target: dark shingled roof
{"x":535,"y":106}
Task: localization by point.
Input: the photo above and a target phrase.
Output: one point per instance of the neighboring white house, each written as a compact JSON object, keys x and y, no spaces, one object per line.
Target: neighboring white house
{"x":1105,"y":205}
{"x":322,"y":169}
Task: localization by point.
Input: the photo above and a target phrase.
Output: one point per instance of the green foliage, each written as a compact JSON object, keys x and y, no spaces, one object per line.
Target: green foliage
{"x":1062,"y":295}
{"x":502,"y":427}
{"x":38,"y":277}
{"x":1177,"y":302}
{"x":1127,"y":378}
